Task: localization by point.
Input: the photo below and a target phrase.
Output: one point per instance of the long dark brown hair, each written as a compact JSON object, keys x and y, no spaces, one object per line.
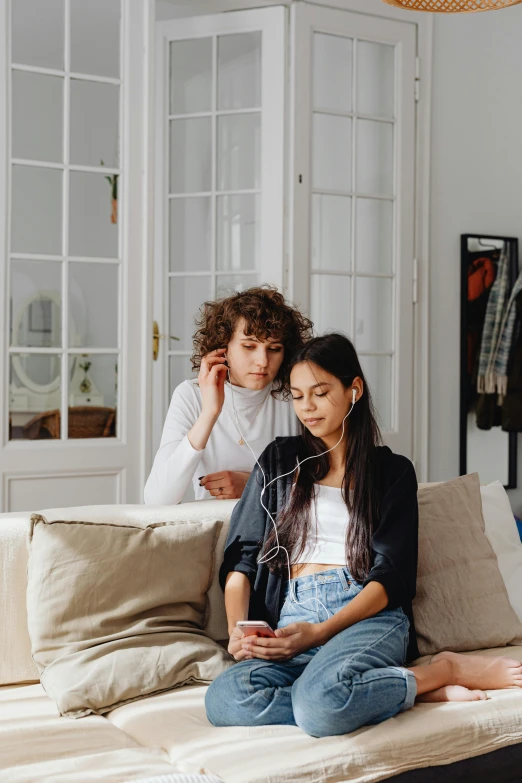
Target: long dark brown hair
{"x":336,"y":354}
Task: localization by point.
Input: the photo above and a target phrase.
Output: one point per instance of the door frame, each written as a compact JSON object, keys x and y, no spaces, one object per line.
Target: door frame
{"x":124,"y":457}
{"x":147,"y":280}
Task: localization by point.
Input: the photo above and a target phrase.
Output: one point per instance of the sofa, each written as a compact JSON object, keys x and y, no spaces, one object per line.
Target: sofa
{"x":166,"y":736}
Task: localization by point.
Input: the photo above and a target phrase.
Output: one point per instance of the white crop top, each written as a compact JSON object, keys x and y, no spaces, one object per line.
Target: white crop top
{"x":329,"y":521}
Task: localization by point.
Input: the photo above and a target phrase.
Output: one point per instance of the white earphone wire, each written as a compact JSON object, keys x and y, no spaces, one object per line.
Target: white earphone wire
{"x":278,"y":547}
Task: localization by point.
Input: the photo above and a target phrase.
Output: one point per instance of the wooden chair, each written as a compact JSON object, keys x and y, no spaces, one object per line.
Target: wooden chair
{"x":43,"y":426}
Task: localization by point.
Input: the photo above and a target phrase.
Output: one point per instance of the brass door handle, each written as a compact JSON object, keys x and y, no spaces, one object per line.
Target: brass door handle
{"x":156,"y":337}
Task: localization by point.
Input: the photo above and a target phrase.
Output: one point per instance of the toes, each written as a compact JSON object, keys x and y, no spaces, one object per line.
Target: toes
{"x":473,"y":695}
{"x":459,"y":693}
{"x":453,"y":693}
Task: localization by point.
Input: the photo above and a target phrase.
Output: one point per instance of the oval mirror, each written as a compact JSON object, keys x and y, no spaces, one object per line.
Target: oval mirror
{"x":37,"y":325}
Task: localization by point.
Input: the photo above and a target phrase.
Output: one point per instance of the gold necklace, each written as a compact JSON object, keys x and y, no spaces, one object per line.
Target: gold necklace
{"x":235,"y":419}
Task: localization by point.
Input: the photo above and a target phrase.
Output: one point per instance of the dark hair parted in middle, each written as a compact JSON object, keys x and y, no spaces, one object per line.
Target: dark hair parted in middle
{"x":336,"y":354}
{"x":266,"y":315}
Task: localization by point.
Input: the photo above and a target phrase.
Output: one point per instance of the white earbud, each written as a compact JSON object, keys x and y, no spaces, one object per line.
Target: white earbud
{"x":354,"y":396}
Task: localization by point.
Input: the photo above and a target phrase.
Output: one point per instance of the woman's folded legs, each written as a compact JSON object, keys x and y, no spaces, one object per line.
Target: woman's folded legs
{"x":356,"y":678}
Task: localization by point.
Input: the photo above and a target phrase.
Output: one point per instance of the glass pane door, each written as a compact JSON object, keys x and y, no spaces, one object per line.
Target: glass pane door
{"x":215,"y":178}
{"x":220,"y":179}
{"x":353,"y":200}
{"x":64,"y":271}
{"x":355,"y":150}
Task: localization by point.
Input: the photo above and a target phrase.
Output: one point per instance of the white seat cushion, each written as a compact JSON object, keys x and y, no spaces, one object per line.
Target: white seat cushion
{"x":113,"y":766}
{"x":37,"y":744}
{"x":427,"y":735}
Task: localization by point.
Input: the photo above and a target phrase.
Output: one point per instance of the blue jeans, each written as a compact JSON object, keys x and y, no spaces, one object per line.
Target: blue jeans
{"x":356,"y":678}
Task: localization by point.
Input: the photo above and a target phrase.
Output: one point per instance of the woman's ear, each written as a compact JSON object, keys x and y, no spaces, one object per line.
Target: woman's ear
{"x":358,"y":388}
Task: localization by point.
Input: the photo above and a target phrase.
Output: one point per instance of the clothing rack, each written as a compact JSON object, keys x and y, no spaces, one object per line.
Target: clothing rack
{"x":468,"y":256}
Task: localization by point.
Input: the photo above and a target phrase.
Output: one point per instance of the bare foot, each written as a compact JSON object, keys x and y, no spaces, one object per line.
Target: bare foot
{"x":452,"y":693}
{"x":481,"y":671}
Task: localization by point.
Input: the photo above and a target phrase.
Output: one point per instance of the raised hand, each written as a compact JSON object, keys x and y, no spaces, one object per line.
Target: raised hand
{"x":211,"y":380}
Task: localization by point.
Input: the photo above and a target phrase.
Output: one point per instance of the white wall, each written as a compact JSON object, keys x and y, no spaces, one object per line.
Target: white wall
{"x":476,"y":187}
{"x":175,"y":9}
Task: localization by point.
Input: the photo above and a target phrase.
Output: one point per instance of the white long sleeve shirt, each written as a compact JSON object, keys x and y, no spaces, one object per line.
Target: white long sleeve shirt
{"x":178,"y":462}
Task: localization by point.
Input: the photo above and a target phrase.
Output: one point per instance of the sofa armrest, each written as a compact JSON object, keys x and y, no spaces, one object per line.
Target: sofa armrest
{"x":16,"y":663}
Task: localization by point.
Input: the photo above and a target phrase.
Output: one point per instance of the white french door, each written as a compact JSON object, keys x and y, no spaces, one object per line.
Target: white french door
{"x":73,"y":109}
{"x":353,"y":189}
{"x":220,"y":124}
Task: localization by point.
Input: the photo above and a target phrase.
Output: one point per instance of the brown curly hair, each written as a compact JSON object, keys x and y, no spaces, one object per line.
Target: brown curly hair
{"x":267,"y":316}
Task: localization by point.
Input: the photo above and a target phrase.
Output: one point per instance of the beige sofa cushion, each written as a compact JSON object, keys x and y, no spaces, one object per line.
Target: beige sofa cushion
{"x":16,"y":663}
{"x":37,"y":745}
{"x":116,"y":611}
{"x":462,"y":602}
{"x":429,"y":735}
{"x":197,"y":511}
{"x":502,"y":533}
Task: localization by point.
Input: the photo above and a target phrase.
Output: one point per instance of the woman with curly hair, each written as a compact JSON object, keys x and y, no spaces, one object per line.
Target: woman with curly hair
{"x":242,"y":348}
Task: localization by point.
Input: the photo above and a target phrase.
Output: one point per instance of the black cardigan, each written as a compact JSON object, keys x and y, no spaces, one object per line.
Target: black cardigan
{"x":394,"y":542}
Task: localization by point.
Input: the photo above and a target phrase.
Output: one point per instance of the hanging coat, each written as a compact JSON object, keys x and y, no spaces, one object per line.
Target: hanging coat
{"x":512,"y":404}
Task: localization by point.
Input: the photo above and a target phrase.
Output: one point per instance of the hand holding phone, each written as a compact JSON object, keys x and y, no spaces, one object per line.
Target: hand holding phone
{"x":255,"y":628}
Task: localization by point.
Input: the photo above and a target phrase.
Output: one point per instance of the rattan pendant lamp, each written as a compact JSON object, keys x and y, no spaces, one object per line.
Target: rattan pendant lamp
{"x":452,"y":6}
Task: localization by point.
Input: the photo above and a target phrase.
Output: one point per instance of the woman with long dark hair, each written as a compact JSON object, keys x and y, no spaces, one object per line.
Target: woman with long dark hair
{"x":323,"y":547}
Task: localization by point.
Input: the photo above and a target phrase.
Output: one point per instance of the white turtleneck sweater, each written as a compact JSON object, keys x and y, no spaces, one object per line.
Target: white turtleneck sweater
{"x":178,"y":462}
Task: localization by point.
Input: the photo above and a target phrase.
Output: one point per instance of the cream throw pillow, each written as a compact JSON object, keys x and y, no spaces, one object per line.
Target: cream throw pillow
{"x":502,"y":534}
{"x":116,"y":611}
{"x":461,"y":602}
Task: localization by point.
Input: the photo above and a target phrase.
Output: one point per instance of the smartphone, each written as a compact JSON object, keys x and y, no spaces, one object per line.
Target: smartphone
{"x":255,"y":628}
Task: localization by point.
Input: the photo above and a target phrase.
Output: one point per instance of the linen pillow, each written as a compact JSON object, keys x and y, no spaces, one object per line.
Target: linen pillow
{"x":461,"y":602}
{"x":116,"y":611}
{"x":502,"y":534}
